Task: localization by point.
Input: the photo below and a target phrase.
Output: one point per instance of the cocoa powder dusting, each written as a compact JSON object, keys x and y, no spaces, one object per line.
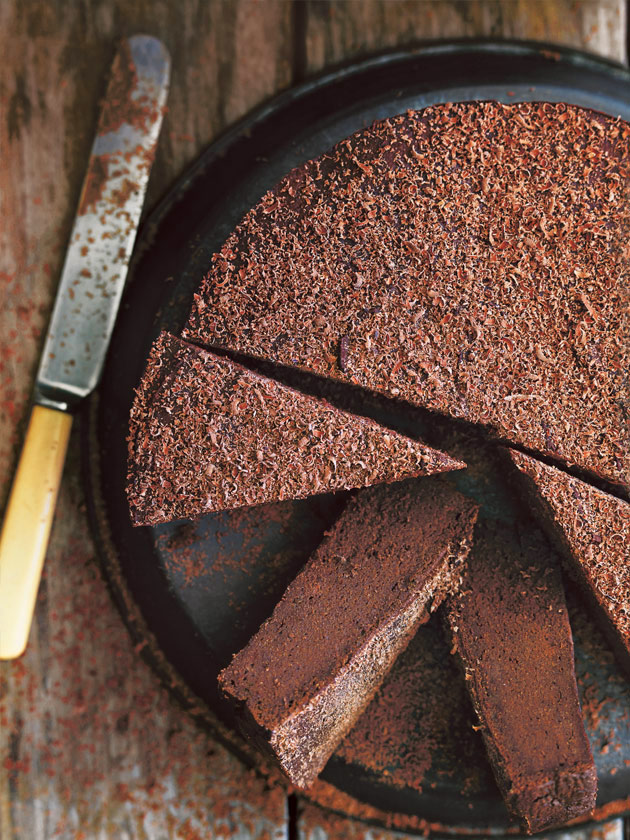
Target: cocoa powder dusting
{"x":421,"y":720}
{"x":592,"y":531}
{"x":604,"y":693}
{"x":185,"y":553}
{"x":123,"y":104}
{"x":382,"y":568}
{"x":511,"y":632}
{"x":122,"y":195}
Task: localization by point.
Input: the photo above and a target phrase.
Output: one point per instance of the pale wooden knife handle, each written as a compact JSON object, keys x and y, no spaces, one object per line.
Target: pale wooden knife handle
{"x":27,"y":522}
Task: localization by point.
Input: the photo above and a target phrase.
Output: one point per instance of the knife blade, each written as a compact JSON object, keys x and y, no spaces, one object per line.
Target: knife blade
{"x":83,"y":316}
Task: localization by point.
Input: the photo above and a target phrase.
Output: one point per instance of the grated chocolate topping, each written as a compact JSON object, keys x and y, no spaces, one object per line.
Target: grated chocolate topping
{"x":469,"y":258}
{"x":206,"y":434}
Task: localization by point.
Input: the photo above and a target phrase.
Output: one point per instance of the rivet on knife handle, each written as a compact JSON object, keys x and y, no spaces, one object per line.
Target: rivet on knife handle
{"x":83,"y":317}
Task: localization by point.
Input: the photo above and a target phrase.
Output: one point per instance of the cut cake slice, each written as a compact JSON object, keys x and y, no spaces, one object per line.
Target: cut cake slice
{"x":302,"y":681}
{"x":511,"y":632}
{"x":416,"y":733}
{"x":592,"y":532}
{"x":206,"y":434}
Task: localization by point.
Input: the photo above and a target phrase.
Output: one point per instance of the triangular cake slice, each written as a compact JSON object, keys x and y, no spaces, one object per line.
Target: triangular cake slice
{"x":453,"y":258}
{"x":592,"y":532}
{"x":302,"y":681}
{"x":511,"y":632}
{"x":206,"y":434}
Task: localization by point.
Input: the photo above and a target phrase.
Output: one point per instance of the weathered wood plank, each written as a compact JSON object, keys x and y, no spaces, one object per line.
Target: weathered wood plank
{"x":90,"y":745}
{"x":316,"y":824}
{"x":96,"y":748}
{"x":227,"y":57}
{"x":337,"y":30}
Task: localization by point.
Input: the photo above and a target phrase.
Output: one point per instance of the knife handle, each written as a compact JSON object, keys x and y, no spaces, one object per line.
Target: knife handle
{"x":27,"y":522}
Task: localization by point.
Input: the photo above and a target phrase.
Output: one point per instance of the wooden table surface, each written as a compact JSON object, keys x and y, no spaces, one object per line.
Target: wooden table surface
{"x":90,"y":745}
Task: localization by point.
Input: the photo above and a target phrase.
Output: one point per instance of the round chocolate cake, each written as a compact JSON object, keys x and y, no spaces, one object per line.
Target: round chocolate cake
{"x":469,"y":260}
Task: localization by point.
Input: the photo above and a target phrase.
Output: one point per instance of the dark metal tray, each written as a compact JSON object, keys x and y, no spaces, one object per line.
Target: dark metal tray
{"x":192,"y":594}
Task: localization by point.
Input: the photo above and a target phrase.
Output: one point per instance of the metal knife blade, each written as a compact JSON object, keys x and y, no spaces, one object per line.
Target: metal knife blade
{"x":104,"y":230}
{"x":83,"y":318}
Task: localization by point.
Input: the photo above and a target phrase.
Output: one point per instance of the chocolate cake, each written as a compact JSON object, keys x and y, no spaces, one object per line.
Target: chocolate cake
{"x":311,"y":669}
{"x":592,"y":532}
{"x":468,"y":258}
{"x":206,"y":434}
{"x":419,"y":728}
{"x":511,"y":632}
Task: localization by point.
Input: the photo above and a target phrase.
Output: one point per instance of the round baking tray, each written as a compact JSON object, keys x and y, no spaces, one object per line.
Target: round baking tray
{"x":192,"y":594}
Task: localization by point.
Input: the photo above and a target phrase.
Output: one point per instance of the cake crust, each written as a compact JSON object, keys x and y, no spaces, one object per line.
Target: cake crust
{"x":206,"y":434}
{"x":469,"y":258}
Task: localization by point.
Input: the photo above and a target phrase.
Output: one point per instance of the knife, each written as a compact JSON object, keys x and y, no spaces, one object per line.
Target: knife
{"x":83,"y":317}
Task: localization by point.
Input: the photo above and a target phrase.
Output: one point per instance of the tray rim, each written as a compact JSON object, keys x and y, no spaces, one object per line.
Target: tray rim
{"x":350,"y":69}
{"x":131,"y":613}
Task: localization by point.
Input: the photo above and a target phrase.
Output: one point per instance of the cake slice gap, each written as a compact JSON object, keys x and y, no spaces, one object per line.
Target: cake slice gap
{"x":306,"y":676}
{"x":511,"y":633}
{"x":207,"y":434}
{"x":591,"y":530}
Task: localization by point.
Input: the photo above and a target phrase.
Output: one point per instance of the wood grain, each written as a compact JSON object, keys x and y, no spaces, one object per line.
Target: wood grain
{"x":227,"y":57}
{"x":96,"y":748}
{"x":316,"y":824}
{"x":90,"y":745}
{"x":337,"y":30}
